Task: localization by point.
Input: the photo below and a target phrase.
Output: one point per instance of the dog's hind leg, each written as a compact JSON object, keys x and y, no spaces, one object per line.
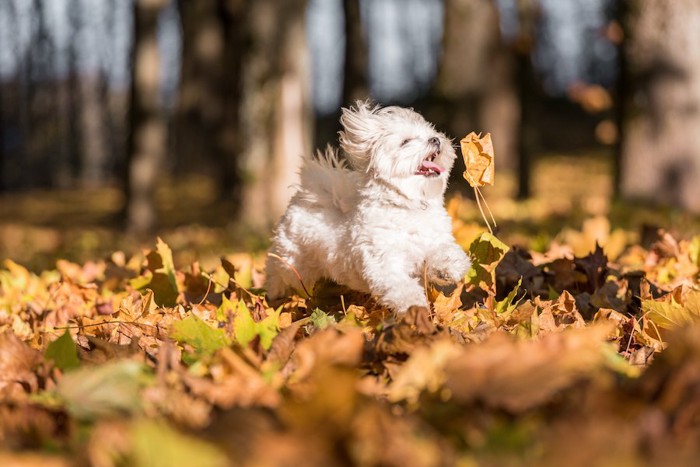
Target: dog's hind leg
{"x":285,"y":275}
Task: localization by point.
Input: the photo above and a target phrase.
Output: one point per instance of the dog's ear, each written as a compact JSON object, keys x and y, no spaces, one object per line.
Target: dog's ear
{"x":360,"y":129}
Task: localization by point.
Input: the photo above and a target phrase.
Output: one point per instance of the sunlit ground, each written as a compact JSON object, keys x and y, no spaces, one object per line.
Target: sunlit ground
{"x":36,"y":228}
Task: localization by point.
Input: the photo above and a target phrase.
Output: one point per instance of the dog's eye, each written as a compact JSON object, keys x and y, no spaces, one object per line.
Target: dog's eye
{"x":405,"y":142}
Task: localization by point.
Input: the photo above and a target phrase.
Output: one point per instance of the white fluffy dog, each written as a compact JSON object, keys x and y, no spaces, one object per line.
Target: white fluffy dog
{"x":379,"y":225}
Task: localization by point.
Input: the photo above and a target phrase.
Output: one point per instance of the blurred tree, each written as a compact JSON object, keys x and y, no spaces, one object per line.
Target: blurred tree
{"x":659,"y":152}
{"x":206,"y":122}
{"x":275,"y":108}
{"x":3,"y":153}
{"x":523,"y":47}
{"x":355,"y":85}
{"x":10,"y":105}
{"x":147,"y":132}
{"x":69,"y":103}
{"x":94,"y":152}
{"x":40,"y":105}
{"x":355,"y":70}
{"x":475,"y":87}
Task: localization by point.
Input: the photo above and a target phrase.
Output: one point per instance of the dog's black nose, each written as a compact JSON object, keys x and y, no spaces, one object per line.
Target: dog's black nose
{"x":434,"y":140}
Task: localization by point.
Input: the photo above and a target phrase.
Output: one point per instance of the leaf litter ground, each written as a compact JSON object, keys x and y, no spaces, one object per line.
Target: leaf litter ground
{"x":583,"y":352}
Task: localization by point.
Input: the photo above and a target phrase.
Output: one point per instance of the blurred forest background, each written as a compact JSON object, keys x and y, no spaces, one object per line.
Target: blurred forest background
{"x":143,"y":115}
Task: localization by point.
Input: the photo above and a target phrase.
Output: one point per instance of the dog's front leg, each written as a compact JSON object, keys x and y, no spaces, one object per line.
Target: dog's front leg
{"x":448,"y":264}
{"x":390,"y":280}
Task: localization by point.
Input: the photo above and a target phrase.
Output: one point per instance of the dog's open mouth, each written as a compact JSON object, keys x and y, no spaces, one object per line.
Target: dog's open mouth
{"x":428,"y":167}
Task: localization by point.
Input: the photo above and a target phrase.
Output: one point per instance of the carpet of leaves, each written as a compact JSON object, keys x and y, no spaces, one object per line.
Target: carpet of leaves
{"x":588,"y":353}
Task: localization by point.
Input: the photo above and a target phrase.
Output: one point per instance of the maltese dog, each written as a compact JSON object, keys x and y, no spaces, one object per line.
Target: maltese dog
{"x":376,"y":224}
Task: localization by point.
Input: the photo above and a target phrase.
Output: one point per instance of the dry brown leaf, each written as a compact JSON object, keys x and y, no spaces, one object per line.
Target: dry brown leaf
{"x":283,"y":345}
{"x":479,"y":158}
{"x":559,"y":315}
{"x":26,"y":424}
{"x":594,"y":266}
{"x":17,"y":365}
{"x":327,"y":346}
{"x":33,"y":459}
{"x":519,"y":374}
{"x":382,"y":438}
{"x":234,"y":383}
{"x":446,"y":306}
{"x":423,"y":371}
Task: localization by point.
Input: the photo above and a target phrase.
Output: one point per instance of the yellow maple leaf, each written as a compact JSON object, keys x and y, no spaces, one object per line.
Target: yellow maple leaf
{"x":479,"y":159}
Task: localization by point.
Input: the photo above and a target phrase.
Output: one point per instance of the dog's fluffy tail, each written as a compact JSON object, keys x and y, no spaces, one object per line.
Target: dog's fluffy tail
{"x":327,"y":180}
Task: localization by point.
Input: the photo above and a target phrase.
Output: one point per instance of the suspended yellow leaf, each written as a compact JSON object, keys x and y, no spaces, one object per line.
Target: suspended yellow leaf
{"x":478,"y":158}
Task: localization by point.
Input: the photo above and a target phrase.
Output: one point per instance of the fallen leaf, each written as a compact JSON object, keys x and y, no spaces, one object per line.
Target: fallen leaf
{"x":160,"y":276}
{"x":446,"y":306}
{"x":486,"y":252}
{"x":246,"y":329}
{"x":423,"y":371}
{"x":105,"y":390}
{"x":203,"y":338}
{"x":519,"y":374}
{"x":17,"y":366}
{"x":670,"y":311}
{"x":148,"y":438}
{"x":594,"y":266}
{"x":559,"y":315}
{"x":63,"y":352}
{"x":321,"y":320}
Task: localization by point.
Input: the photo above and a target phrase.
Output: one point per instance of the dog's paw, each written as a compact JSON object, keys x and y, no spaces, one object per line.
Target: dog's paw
{"x":448,"y":265}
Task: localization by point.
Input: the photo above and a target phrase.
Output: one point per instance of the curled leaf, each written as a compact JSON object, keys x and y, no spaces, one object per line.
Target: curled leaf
{"x":478,"y":158}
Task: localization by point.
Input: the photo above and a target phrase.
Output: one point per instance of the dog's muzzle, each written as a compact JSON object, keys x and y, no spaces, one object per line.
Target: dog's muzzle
{"x":428,"y":167}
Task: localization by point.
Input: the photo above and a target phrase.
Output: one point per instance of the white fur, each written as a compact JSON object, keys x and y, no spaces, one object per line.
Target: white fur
{"x":375,"y":226}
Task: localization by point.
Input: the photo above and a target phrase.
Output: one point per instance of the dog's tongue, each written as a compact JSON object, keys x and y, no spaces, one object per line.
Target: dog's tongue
{"x":432,"y":165}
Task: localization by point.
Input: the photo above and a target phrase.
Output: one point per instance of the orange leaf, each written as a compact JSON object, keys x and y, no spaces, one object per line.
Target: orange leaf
{"x":479,"y":159}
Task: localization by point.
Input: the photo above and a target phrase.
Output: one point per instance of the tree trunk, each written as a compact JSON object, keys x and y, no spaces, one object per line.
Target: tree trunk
{"x":526,"y":136}
{"x":12,"y":103}
{"x":475,"y":87}
{"x":72,"y":137}
{"x":275,"y":109}
{"x":147,"y":134}
{"x":660,"y":151}
{"x":355,"y":70}
{"x":210,"y":88}
{"x":3,"y":154}
{"x":40,"y":134}
{"x":94,"y":152}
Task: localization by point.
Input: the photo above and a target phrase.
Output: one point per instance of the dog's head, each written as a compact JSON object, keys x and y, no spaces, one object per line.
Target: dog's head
{"x":398,"y":146}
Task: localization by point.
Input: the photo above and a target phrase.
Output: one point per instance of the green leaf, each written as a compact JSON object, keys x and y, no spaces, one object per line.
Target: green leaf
{"x":104,"y":390}
{"x":163,"y":293}
{"x":670,"y":314}
{"x":160,"y":276}
{"x":63,"y":352}
{"x":321,"y":320}
{"x":244,"y":326}
{"x":506,"y":306}
{"x":618,"y":363}
{"x":203,"y":338}
{"x":168,"y":269}
{"x":149,"y":438}
{"x":694,"y":250}
{"x":486,"y":252}
{"x":246,"y":329}
{"x":140,"y":283}
{"x":268,"y":329}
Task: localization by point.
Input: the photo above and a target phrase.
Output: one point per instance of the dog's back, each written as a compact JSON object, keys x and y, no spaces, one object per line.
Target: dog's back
{"x":327,"y":181}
